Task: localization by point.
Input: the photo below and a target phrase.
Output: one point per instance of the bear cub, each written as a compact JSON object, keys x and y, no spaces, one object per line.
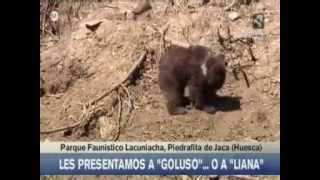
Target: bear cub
{"x":194,"y":69}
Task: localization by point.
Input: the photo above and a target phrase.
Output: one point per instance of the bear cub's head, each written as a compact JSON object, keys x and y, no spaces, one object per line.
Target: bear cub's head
{"x":214,"y":69}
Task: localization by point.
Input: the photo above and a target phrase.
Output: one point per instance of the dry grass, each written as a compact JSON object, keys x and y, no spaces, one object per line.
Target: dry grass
{"x":70,"y":13}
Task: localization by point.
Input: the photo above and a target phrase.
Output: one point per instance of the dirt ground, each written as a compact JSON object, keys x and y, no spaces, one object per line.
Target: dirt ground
{"x":84,"y":65}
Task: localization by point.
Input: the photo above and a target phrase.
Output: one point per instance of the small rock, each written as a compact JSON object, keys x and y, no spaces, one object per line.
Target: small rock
{"x":234,"y":16}
{"x":142,"y":6}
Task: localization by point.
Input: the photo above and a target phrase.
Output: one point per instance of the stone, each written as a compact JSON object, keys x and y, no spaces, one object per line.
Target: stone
{"x":233,"y":16}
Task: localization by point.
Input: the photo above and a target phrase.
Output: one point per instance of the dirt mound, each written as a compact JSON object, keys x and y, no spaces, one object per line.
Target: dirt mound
{"x":87,"y":65}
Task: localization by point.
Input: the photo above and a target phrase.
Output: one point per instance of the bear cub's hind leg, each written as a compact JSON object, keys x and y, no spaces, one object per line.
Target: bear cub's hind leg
{"x":176,"y":101}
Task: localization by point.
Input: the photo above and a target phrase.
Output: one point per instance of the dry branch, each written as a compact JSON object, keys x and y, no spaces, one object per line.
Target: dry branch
{"x":62,"y":128}
{"x":247,"y":41}
{"x":163,"y":35}
{"x":186,"y":34}
{"x":221,"y":39}
{"x":119,"y":117}
{"x":239,"y":68}
{"x":245,"y":77}
{"x":230,"y":5}
{"x":77,"y":124}
{"x":129,"y":96}
{"x":132,"y":70}
{"x":113,"y":7}
{"x":253,"y":58}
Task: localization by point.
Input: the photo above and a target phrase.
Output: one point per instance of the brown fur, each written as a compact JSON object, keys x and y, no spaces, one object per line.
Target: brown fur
{"x":181,"y":67}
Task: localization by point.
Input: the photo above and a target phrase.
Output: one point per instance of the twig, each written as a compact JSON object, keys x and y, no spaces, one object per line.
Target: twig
{"x":253,"y":58}
{"x":235,"y":74}
{"x":163,"y":35}
{"x":119,"y":117}
{"x":229,"y":33}
{"x":86,"y":117}
{"x":77,"y":10}
{"x":244,"y":40}
{"x":240,"y":68}
{"x":129,"y":97}
{"x":131,"y":103}
{"x":44,"y":15}
{"x":230,"y":5}
{"x":245,"y":77}
{"x":248,"y":42}
{"x":55,"y":95}
{"x":108,"y":6}
{"x":186,"y":34}
{"x":221,"y":39}
{"x":132,"y":70}
{"x":62,"y":128}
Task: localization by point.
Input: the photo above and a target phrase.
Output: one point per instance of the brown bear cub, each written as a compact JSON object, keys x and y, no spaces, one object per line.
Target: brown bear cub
{"x":195,"y":69}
